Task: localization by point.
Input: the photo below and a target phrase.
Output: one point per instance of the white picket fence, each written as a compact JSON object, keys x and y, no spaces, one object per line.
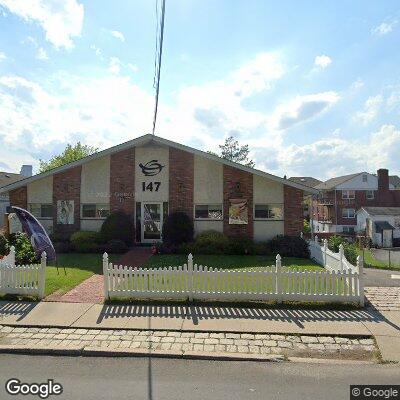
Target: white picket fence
{"x":192,"y":281}
{"x":328,"y":259}
{"x":22,"y":279}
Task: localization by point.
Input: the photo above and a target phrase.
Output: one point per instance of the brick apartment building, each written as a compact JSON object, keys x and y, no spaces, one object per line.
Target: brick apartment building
{"x":334,"y":208}
{"x":150,"y":177}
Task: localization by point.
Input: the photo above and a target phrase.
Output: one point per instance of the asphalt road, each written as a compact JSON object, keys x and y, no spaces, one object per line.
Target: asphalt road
{"x":141,"y":378}
{"x":380,"y":277}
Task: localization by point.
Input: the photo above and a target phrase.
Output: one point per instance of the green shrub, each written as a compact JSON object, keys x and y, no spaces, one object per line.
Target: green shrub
{"x":85,"y":242}
{"x":211,"y":242}
{"x":118,"y":226}
{"x":306,"y":226}
{"x":351,"y":253}
{"x":177,"y":229}
{"x":115,"y":246}
{"x":335,"y":241}
{"x":289,"y":246}
{"x":349,"y":249}
{"x":24,"y":252}
{"x":4,"y":245}
{"x":261,"y":248}
{"x":240,"y":246}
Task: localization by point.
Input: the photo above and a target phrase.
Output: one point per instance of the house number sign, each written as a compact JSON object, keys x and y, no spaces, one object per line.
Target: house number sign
{"x":151,"y":168}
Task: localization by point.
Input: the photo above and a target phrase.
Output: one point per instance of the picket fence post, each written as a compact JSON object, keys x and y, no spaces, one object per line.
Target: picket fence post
{"x":105,"y":275}
{"x":341,"y":252}
{"x":42,"y":275}
{"x":278,"y":283}
{"x":360,"y":268}
{"x":325,"y":250}
{"x":190,"y":272}
{"x":12,"y":256}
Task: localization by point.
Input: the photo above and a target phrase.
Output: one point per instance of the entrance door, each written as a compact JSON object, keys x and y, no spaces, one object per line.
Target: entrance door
{"x":151,"y":222}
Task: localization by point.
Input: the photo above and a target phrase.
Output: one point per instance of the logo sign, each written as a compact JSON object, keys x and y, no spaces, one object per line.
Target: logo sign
{"x":151,"y":168}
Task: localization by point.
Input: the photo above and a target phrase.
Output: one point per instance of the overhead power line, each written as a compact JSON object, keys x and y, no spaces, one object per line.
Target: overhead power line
{"x":158,"y":56}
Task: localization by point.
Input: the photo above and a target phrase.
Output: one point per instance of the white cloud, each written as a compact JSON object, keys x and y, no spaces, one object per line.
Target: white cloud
{"x":133,"y":67}
{"x":62,"y":20}
{"x":371,"y":109}
{"x":357,"y":84}
{"x":96,"y":49}
{"x":384,"y":28}
{"x":41,"y":54}
{"x":118,"y":35}
{"x":322,"y":61}
{"x":2,"y":56}
{"x":114,"y":65}
{"x":301,"y":109}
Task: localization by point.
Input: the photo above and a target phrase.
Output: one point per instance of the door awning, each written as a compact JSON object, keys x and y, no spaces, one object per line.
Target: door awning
{"x":383,"y":226}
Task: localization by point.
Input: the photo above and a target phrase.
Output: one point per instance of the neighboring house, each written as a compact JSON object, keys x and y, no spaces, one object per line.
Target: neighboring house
{"x":380,"y":224}
{"x":6,"y":178}
{"x":307,"y":200}
{"x":150,"y":177}
{"x":334,"y":209}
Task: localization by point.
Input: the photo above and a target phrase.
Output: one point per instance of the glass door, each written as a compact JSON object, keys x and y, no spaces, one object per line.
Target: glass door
{"x":151,"y":222}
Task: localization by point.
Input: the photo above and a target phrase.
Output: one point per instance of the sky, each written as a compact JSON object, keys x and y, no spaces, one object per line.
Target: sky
{"x":313,"y":86}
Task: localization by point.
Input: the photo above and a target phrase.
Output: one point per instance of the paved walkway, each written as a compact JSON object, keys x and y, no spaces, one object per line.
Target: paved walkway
{"x":136,"y":257}
{"x":184,"y":342}
{"x":383,"y":298}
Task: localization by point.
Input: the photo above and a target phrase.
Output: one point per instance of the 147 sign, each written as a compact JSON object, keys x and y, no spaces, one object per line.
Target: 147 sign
{"x":151,"y":186}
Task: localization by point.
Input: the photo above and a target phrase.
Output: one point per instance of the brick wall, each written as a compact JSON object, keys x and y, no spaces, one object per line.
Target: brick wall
{"x":181,"y":181}
{"x":293,"y":211}
{"x":122,"y":181}
{"x":67,"y":186}
{"x":238,"y":185}
{"x":19,"y":197}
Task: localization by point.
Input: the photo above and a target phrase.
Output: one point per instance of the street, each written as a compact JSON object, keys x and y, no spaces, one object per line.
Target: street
{"x":142,"y":378}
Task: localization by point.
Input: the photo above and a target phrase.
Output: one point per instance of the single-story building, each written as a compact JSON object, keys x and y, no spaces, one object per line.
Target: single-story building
{"x":380,"y":224}
{"x":150,"y":177}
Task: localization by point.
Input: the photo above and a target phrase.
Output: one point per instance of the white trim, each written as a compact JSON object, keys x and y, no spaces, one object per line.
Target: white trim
{"x":145,"y":139}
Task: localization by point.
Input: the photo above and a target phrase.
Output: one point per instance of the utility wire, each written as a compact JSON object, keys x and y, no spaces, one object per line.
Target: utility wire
{"x":158,"y":57}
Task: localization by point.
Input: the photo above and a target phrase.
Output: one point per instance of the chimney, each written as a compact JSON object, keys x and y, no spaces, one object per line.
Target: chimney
{"x":383,"y":179}
{"x":26,"y":171}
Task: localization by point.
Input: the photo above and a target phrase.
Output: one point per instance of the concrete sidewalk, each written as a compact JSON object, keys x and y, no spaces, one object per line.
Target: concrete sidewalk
{"x":384,"y":325}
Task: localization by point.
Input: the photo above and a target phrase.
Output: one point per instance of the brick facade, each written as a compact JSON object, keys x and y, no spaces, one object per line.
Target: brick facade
{"x":181,"y":181}
{"x":293,"y":210}
{"x":122,"y":181}
{"x":238,"y":184}
{"x":67,"y":186}
{"x":19,"y":197}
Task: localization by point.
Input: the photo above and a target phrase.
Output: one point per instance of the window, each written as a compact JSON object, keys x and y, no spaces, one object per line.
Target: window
{"x":41,"y":210}
{"x":95,"y":211}
{"x":348,"y":194}
{"x":369,"y":194}
{"x":208,"y":211}
{"x":365,"y":178}
{"x":268,"y":211}
{"x":348,"y":229}
{"x":348,"y":213}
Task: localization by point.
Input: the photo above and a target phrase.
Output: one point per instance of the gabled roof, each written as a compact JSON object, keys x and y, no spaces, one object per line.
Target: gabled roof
{"x":333,"y":182}
{"x":147,"y":139}
{"x":395,"y":211}
{"x":306,"y":180}
{"x":7,"y":177}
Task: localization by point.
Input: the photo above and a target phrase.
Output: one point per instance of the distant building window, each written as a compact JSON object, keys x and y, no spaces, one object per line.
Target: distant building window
{"x":268,"y":211}
{"x":95,"y":211}
{"x":44,"y":211}
{"x":348,"y":194}
{"x":369,"y":194}
{"x":208,"y":211}
{"x":348,"y":229}
{"x":348,"y":213}
{"x":365,"y":178}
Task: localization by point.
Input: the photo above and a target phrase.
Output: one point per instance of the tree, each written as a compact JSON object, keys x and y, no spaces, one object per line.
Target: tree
{"x":70,"y":154}
{"x":232,"y":151}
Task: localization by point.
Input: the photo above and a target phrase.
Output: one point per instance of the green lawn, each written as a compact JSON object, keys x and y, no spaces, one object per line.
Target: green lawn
{"x":371,"y":262}
{"x":78,"y":267}
{"x":249,"y":263}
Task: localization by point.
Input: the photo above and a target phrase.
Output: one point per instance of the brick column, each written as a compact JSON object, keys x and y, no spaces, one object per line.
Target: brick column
{"x":293,"y":210}
{"x":67,"y":186}
{"x":238,"y":184}
{"x":19,"y":197}
{"x":181,"y":181}
{"x":122,"y":181}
